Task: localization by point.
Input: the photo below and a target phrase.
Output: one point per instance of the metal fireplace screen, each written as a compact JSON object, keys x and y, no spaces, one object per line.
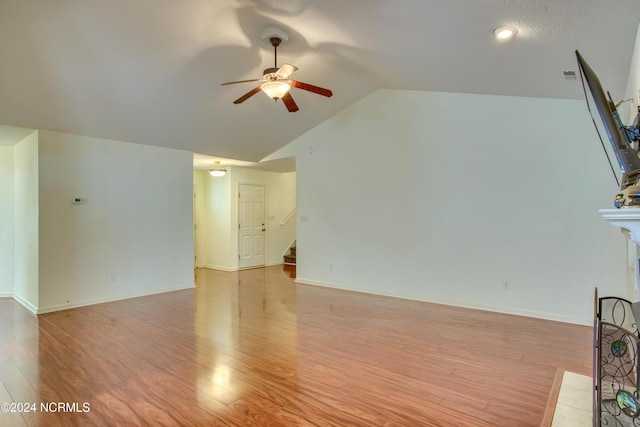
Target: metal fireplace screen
{"x":615,"y":381}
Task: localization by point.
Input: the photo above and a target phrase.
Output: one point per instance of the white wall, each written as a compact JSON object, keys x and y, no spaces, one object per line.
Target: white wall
{"x":445,"y":197}
{"x":133,"y":236}
{"x":628,"y":110}
{"x":26,"y":215}
{"x":213,"y":221}
{"x":7,"y":228}
{"x":217,"y":215}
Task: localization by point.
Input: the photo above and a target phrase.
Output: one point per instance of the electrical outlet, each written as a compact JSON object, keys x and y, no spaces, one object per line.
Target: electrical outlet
{"x":506,"y":286}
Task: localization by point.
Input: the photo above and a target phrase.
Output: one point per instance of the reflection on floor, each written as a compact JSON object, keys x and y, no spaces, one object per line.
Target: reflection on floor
{"x":574,"y":407}
{"x":290,"y":270}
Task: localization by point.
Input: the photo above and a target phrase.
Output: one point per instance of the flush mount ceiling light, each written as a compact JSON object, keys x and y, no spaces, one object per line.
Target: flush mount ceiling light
{"x":505,"y":33}
{"x":217,"y":170}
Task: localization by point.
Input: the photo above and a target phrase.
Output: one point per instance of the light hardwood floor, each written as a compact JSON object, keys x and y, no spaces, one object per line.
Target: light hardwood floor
{"x":253,"y":348}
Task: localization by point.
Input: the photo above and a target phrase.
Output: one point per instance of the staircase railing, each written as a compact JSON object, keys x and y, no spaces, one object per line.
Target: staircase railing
{"x":288,"y":218}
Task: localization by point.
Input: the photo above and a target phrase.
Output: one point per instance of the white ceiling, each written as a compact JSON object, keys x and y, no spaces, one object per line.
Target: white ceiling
{"x":149,"y":71}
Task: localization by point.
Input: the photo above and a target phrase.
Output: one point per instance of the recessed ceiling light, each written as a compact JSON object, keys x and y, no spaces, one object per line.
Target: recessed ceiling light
{"x":505,"y":33}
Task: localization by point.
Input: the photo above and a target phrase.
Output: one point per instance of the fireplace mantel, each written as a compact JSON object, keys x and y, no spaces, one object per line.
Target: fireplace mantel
{"x":626,"y":219}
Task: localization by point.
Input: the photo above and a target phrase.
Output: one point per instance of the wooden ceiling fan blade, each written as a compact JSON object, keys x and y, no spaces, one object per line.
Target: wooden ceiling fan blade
{"x":311,"y":88}
{"x":247,"y":95}
{"x":285,"y":71}
{"x":290,"y":103}
{"x":240,"y":81}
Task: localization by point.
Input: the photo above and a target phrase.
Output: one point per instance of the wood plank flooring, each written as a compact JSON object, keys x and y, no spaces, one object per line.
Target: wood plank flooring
{"x":252,"y":348}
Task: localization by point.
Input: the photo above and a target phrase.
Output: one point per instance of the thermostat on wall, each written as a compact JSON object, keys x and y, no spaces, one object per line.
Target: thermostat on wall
{"x":77,"y":201}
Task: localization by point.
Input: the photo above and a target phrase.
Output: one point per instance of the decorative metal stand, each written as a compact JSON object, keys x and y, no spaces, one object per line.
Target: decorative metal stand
{"x":616,"y":375}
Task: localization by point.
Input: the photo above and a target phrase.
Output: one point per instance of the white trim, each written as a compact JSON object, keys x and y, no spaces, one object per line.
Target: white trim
{"x":227,"y":269}
{"x":288,"y":218}
{"x":59,"y":307}
{"x":271,"y":264}
{"x":32,"y":308}
{"x":217,"y":267}
{"x":252,"y":267}
{"x":516,"y":312}
{"x":6,"y":295}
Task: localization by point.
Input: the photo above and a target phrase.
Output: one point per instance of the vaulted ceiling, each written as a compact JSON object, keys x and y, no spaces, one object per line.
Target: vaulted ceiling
{"x":149,"y":71}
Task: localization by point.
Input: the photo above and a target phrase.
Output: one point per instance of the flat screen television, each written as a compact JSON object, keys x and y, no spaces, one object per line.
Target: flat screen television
{"x":627,"y":157}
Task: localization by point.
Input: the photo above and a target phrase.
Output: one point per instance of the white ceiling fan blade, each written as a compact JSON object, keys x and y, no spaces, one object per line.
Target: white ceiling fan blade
{"x":285,"y":71}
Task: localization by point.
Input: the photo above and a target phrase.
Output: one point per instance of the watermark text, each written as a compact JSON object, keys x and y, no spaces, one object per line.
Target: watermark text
{"x":67,"y":407}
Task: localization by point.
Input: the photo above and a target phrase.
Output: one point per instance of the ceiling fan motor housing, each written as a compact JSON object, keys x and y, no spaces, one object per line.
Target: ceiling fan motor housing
{"x":271,"y":70}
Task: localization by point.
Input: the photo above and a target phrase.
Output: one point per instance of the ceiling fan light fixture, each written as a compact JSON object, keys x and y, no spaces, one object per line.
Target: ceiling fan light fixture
{"x":275,"y":89}
{"x":505,"y":33}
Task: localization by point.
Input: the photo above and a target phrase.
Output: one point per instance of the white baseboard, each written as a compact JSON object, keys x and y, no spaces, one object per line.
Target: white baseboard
{"x":221,"y":268}
{"x":26,"y":304}
{"x":77,"y":304}
{"x":496,"y":309}
{"x":216,"y":267}
{"x":272,"y":264}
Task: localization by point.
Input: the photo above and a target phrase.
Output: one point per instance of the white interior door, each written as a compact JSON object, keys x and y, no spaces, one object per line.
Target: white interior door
{"x":251,"y":240}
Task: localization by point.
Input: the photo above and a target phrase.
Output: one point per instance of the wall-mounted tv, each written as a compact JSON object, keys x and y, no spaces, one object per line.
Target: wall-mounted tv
{"x":626,"y":155}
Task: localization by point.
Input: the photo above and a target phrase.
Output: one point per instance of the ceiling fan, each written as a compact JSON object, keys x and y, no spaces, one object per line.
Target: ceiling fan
{"x":276,"y":82}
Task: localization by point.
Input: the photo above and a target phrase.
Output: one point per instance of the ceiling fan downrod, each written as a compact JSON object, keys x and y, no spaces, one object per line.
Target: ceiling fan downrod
{"x":275,"y":42}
